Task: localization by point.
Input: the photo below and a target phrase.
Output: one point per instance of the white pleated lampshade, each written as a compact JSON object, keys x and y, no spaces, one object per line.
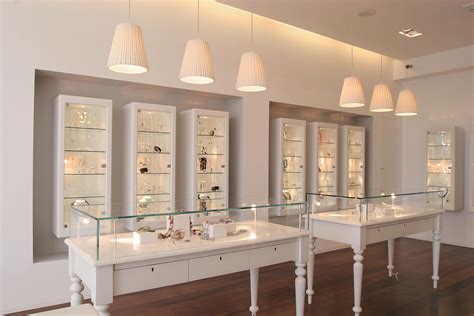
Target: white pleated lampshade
{"x":352,"y":95}
{"x":127,"y":53}
{"x":197,"y":67}
{"x":381,"y":99}
{"x":251,"y":76}
{"x":406,"y":104}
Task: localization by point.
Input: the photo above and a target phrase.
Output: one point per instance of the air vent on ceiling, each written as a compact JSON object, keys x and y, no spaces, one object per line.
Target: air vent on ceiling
{"x":410,"y":33}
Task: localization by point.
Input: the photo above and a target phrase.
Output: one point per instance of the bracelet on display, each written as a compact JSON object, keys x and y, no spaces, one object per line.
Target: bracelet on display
{"x":80,"y":203}
{"x":145,"y":229}
{"x":144,"y":170}
{"x":215,"y":188}
{"x":157,"y":149}
{"x":238,"y":232}
{"x":226,"y":220}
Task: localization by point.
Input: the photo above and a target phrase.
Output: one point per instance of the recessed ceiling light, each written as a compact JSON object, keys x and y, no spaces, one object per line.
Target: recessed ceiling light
{"x":366,"y":13}
{"x":410,"y":33}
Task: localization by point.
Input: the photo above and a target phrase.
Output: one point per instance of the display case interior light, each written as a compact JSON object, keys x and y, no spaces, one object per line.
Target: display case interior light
{"x":410,"y":33}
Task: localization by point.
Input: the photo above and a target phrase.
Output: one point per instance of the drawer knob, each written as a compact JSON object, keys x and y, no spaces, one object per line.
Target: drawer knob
{"x":152,"y":269}
{"x":275,"y":248}
{"x":220,"y":258}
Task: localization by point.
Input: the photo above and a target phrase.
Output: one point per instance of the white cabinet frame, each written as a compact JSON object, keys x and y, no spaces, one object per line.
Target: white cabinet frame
{"x":130,"y":155}
{"x":60,"y":229}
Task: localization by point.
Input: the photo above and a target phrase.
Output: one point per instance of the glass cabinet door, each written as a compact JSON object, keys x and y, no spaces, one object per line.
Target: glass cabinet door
{"x":210,"y":163}
{"x":293,"y":177}
{"x":439,"y":161}
{"x":355,"y":163}
{"x":83,"y":134}
{"x":153,"y":163}
{"x":327,"y":160}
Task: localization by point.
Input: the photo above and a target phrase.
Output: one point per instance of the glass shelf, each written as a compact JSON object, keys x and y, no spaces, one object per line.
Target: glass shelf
{"x":154,"y":132}
{"x":85,"y":128}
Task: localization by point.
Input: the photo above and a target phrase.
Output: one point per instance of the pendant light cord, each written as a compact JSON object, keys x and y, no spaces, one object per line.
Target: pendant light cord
{"x":129,"y":10}
{"x":352,"y":38}
{"x":251,"y":25}
{"x":381,"y":56}
{"x":198,"y":9}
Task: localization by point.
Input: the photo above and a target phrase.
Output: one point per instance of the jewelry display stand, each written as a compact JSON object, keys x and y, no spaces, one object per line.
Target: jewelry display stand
{"x":445,"y":165}
{"x":82,"y":158}
{"x":352,"y":161}
{"x":287,"y":161}
{"x":205,"y":176}
{"x":149,"y":141}
{"x":322,"y":157}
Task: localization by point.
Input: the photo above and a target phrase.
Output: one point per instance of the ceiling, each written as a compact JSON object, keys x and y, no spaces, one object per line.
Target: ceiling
{"x":445,"y":24}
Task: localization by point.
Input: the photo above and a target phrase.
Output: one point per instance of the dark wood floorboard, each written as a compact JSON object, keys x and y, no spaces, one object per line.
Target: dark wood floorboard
{"x":411,"y":295}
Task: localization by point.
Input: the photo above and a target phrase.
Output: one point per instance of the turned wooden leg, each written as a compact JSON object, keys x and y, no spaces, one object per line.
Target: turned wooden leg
{"x":310,"y":268}
{"x":102,"y":310}
{"x":358,"y":269}
{"x":391,"y":248}
{"x":76,"y":289}
{"x":300,"y":284}
{"x":253,"y":291}
{"x":436,"y":249}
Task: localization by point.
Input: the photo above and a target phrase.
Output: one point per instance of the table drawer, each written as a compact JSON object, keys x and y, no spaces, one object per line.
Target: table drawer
{"x":206,"y":267}
{"x":399,"y":230}
{"x":150,"y":277}
{"x":267,"y":256}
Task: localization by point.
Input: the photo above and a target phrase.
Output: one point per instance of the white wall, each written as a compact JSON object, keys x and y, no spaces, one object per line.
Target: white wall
{"x":75,"y":36}
{"x":445,"y":96}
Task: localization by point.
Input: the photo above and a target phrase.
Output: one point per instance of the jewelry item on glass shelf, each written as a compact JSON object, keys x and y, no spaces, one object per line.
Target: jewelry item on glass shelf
{"x":177,"y":234}
{"x":285,"y":164}
{"x":143,"y":201}
{"x":203,"y":163}
{"x":143,"y":170}
{"x":215,"y":188}
{"x":237,"y":232}
{"x":205,"y":230}
{"x":80,"y":202}
{"x":157,"y":149}
{"x":226,"y":220}
{"x":145,"y":229}
{"x":286,"y":196}
{"x":212,"y":132}
{"x":82,"y":117}
{"x":203,"y":206}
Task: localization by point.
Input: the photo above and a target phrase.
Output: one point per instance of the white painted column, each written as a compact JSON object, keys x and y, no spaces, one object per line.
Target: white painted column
{"x":76,"y":289}
{"x":358,"y":269}
{"x":391,"y":248}
{"x":436,"y":249}
{"x":310,"y":268}
{"x":254,"y":290}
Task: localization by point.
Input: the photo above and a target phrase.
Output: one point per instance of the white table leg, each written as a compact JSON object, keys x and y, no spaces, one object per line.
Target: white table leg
{"x":310,"y":268}
{"x":358,"y":269}
{"x":391,"y":248}
{"x":253,"y":291}
{"x":300,"y":284}
{"x":76,"y":289}
{"x":436,"y":248}
{"x":102,"y":310}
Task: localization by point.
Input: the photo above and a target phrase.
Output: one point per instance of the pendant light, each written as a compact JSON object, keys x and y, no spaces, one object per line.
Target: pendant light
{"x":127,"y":53}
{"x":251,"y":75}
{"x":196,"y":67}
{"x":381,"y":97}
{"x":406,"y":103}
{"x":352,"y":94}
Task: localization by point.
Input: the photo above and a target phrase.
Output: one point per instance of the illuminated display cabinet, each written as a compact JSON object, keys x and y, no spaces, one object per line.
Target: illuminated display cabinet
{"x":322,"y":159}
{"x":287,"y":160}
{"x":149,"y":141}
{"x":445,"y":165}
{"x":82,"y":158}
{"x":205,"y":151}
{"x":352,"y":161}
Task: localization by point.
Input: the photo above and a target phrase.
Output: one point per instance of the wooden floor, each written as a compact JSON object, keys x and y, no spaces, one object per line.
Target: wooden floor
{"x":411,"y":295}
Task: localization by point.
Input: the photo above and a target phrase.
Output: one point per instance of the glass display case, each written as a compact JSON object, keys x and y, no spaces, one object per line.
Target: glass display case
{"x":287,"y":160}
{"x":352,"y":161}
{"x":205,"y":177}
{"x":82,"y":157}
{"x":149,"y":141}
{"x":322,"y":158}
{"x":378,"y":208}
{"x":108,"y":237}
{"x":445,"y":165}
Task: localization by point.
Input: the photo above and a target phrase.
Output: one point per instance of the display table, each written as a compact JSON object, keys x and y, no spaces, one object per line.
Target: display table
{"x":119,"y":266}
{"x":358,"y":229}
